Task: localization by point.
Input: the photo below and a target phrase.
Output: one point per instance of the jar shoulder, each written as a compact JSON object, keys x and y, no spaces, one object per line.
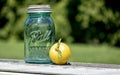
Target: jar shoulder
{"x":39,"y":20}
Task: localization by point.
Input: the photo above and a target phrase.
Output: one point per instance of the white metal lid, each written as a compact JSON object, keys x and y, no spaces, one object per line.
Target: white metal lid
{"x":39,"y":8}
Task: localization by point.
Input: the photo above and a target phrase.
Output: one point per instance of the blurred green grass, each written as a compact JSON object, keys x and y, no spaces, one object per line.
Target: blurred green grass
{"x":12,"y":50}
{"x":95,"y":54}
{"x":80,"y":52}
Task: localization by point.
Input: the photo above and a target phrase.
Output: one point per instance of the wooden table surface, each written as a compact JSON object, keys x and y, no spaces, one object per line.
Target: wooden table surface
{"x":19,"y":67}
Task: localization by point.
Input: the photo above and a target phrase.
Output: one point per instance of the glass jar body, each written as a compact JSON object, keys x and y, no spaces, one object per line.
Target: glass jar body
{"x":39,"y":35}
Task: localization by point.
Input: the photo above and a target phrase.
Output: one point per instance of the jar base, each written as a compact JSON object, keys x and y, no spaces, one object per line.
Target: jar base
{"x":40,"y":61}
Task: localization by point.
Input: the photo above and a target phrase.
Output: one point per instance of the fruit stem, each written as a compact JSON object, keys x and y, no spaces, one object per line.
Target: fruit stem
{"x":57,"y":49}
{"x":58,"y":44}
{"x":59,"y":41}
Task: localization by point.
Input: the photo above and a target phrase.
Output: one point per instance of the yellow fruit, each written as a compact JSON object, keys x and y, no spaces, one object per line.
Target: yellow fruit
{"x":59,"y":53}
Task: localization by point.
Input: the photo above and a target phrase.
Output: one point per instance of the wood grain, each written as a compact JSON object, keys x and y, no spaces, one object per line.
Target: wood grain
{"x":12,"y":66}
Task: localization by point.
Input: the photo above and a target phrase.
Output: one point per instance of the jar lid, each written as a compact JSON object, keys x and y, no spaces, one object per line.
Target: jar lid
{"x":39,"y":8}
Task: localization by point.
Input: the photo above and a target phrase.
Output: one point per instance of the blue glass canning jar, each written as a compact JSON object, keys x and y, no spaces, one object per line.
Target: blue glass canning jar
{"x":39,"y":34}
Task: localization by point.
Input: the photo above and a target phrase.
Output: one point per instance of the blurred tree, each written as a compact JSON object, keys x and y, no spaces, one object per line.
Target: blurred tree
{"x":72,"y":7}
{"x":12,"y":17}
{"x":113,"y":4}
{"x":86,"y":21}
{"x":62,"y":25}
{"x":94,"y":22}
{"x":14,"y":14}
